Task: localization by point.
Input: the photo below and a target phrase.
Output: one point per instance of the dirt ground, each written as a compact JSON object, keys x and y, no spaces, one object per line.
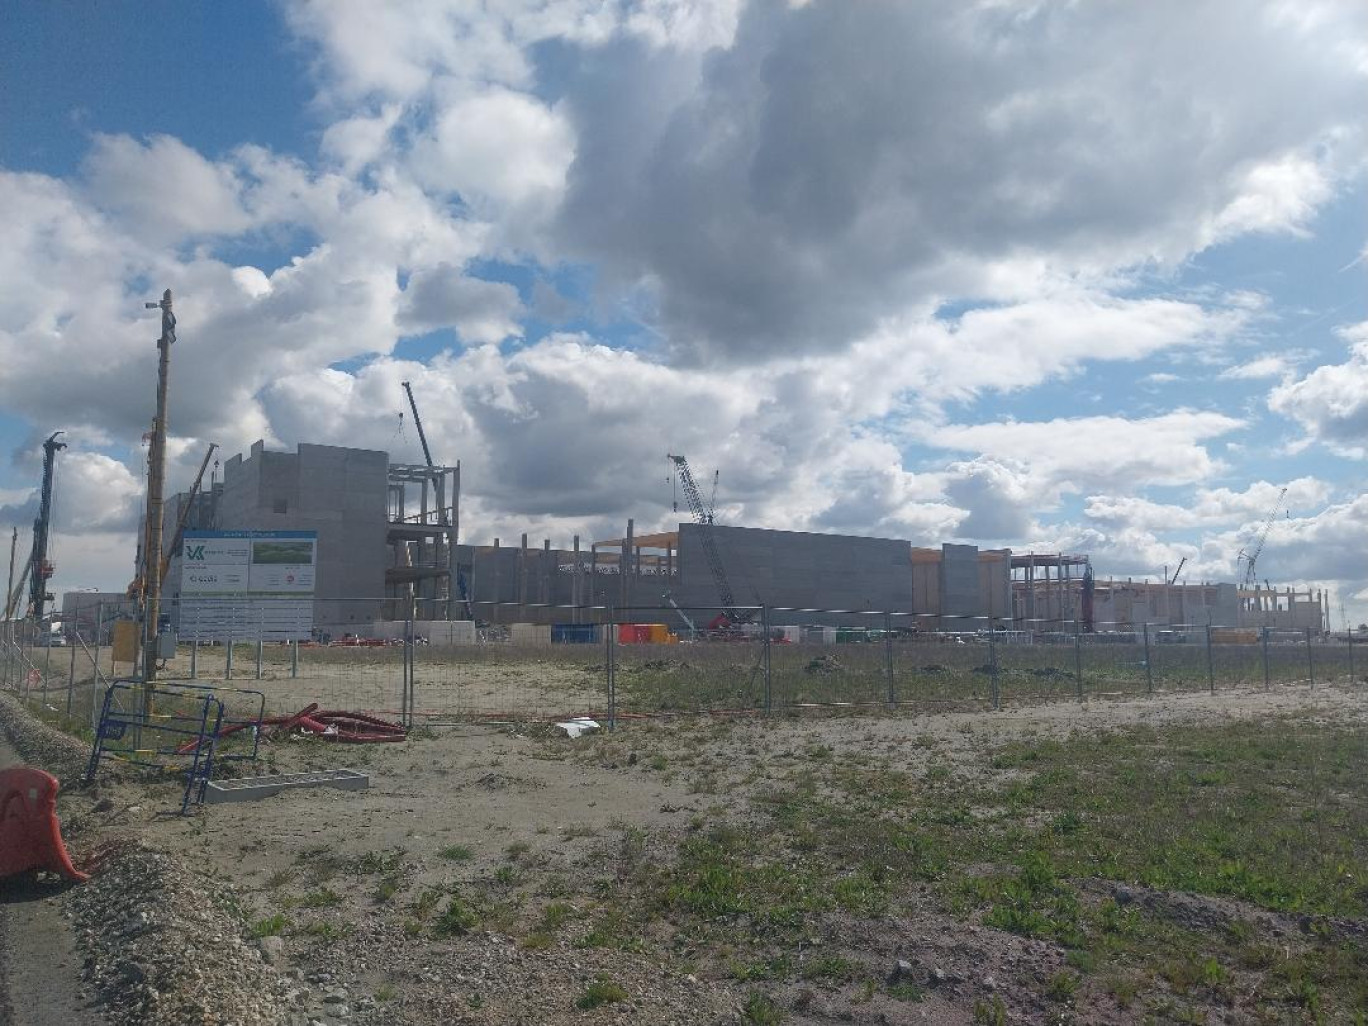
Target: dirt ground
{"x":350,"y":887}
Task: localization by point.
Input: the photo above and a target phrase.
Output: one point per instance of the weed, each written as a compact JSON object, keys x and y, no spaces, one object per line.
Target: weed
{"x":456,"y":920}
{"x":386,"y":889}
{"x":760,"y":1010}
{"x":456,"y":853}
{"x":385,"y":992}
{"x":537,"y":941}
{"x":517,"y":849}
{"x":906,"y":991}
{"x":990,"y":1013}
{"x":373,"y":862}
{"x":271,"y":926}
{"x":506,"y":876}
{"x":278,"y":879}
{"x":323,"y":897}
{"x":557,"y":914}
{"x":1062,"y":987}
{"x":602,"y":991}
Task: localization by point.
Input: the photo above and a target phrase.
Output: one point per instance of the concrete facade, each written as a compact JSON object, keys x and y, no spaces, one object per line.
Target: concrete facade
{"x":338,"y":492}
{"x":796,"y":570}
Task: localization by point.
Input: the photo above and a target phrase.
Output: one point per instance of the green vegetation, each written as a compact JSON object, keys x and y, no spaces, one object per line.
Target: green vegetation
{"x":457,"y":919}
{"x":271,"y":926}
{"x":602,"y":991}
{"x":456,"y":853}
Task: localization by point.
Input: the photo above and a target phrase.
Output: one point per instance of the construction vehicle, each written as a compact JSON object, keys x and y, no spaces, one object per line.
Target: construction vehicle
{"x":730,"y":617}
{"x":39,"y":569}
{"x":1251,"y":558}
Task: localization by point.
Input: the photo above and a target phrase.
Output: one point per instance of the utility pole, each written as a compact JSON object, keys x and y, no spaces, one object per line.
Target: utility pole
{"x":14,"y":545}
{"x":156,"y":476}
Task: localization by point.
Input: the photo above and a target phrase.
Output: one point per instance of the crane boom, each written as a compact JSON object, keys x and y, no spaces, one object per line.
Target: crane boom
{"x":418,"y":423}
{"x":185,"y":513}
{"x":1252,"y":558}
{"x":1181,"y":563}
{"x":40,"y":570}
{"x":710,"y":552}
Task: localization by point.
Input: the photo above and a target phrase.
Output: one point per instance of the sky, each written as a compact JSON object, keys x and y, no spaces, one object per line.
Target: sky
{"x":1066,"y":276}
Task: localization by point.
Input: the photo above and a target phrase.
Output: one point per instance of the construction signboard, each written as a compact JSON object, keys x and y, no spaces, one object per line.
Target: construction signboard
{"x":247,"y":584}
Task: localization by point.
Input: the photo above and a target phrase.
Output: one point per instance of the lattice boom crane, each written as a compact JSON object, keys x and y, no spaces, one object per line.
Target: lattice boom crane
{"x":710,"y":552}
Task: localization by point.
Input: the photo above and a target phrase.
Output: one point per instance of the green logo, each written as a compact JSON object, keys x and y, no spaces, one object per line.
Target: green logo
{"x":194,"y":552}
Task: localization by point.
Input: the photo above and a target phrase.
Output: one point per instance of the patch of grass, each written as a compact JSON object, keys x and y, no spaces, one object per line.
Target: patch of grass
{"x":278,"y":879}
{"x":456,"y":853}
{"x":323,"y":897}
{"x":385,"y":992}
{"x":326,"y":931}
{"x":517,"y":850}
{"x":1062,"y":987}
{"x":377,"y":862}
{"x":602,"y":991}
{"x":271,"y":926}
{"x":557,"y":914}
{"x":990,"y":1013}
{"x":760,"y":1010}
{"x":457,"y":919}
{"x":386,"y":889}
{"x":829,"y":967}
{"x":906,"y":992}
{"x":507,"y":876}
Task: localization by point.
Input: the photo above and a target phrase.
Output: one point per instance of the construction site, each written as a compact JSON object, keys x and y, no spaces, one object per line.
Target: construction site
{"x":325,"y":761}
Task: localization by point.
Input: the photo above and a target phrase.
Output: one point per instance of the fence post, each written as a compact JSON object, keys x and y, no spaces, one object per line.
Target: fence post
{"x":71,"y":673}
{"x":1078,"y":661}
{"x":409,"y":684}
{"x":294,"y":657}
{"x":610,"y":646}
{"x":228,"y":659}
{"x":765,"y":656}
{"x":1149,"y":670}
{"x":993,"y":666}
{"x":261,"y":645}
{"x":1211,"y":663}
{"x":888,"y":658}
{"x":99,"y":634}
{"x":1267,"y":685}
{"x":1351,"y":657}
{"x":1310,"y":663}
{"x":194,"y":657}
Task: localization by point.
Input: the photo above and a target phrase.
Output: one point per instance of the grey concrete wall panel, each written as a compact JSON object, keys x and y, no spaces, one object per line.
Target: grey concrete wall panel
{"x":959,"y":581}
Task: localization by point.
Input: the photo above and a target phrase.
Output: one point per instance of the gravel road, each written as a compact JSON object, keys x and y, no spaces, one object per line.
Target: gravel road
{"x":39,"y":964}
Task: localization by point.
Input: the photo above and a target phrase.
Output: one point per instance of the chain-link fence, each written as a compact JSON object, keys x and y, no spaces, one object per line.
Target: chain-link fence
{"x":619,"y":664}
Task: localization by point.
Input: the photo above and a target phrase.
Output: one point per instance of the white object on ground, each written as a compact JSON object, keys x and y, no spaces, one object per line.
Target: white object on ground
{"x":578,"y":726}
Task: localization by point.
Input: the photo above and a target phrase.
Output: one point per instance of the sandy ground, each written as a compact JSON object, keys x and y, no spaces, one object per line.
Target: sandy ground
{"x":567,"y":804}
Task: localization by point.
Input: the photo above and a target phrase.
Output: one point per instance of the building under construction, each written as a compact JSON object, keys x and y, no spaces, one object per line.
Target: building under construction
{"x":388,"y":550}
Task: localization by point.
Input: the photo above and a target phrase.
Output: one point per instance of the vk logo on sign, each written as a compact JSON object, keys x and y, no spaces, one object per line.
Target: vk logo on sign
{"x":194,"y":552}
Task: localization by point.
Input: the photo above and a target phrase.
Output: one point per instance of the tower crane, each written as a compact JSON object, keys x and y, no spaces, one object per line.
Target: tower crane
{"x":1251,"y":558}
{"x":730,"y":613}
{"x":1181,"y":563}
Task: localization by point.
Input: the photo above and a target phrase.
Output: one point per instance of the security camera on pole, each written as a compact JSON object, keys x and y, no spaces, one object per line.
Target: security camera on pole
{"x":156,"y":474}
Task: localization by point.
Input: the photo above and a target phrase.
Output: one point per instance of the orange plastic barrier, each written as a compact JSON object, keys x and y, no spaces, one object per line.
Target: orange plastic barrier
{"x":30,"y":836}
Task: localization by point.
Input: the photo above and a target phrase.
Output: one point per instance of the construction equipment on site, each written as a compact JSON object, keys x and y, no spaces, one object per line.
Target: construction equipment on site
{"x":40,"y":568}
{"x":184,"y":517}
{"x":730,"y":614}
{"x":1251,"y":558}
{"x":1181,"y":563}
